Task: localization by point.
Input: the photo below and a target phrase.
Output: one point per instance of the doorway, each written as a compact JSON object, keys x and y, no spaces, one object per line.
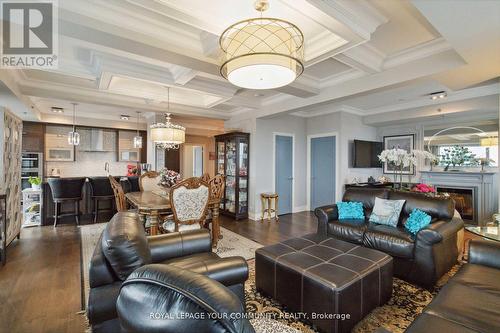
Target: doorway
{"x":322,"y":170}
{"x":283,"y":171}
{"x":192,"y":161}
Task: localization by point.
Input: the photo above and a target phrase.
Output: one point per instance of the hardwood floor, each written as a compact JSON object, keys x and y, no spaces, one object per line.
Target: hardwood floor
{"x":270,"y":232}
{"x":40,"y":284}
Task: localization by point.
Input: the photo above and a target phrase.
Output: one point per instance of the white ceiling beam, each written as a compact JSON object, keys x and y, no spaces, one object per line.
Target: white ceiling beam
{"x":104,"y":98}
{"x":417,"y":69}
{"x":363,"y":57}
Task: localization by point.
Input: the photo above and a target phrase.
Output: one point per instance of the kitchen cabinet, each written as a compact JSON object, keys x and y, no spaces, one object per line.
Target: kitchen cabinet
{"x":33,"y":137}
{"x":57,"y":147}
{"x":126,"y":150}
{"x":232,"y":160}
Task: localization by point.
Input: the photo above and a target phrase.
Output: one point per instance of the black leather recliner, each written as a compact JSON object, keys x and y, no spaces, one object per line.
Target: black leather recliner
{"x":124,"y":247}
{"x":161,"y":298}
{"x":422,"y":259}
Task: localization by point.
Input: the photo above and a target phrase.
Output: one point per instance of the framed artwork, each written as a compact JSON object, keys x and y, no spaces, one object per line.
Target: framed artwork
{"x":406,"y":142}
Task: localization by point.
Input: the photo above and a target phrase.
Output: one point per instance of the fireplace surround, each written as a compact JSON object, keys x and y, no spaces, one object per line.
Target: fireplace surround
{"x":475,"y":193}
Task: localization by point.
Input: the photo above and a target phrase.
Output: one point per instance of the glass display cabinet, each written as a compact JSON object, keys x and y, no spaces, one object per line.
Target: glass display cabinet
{"x":232,"y":160}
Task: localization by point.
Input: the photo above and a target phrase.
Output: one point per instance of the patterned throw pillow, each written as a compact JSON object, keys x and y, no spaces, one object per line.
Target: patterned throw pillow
{"x":387,"y":211}
{"x":417,"y":221}
{"x":350,"y":210}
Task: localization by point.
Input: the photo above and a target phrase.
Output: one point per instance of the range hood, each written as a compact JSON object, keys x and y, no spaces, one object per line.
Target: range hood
{"x":96,"y":142}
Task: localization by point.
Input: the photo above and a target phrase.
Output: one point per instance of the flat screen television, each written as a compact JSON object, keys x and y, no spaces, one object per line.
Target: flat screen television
{"x":366,"y":154}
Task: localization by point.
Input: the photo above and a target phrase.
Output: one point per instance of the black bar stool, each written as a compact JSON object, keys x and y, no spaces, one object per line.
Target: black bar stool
{"x":134,"y":183}
{"x":66,"y":190}
{"x":101,"y":191}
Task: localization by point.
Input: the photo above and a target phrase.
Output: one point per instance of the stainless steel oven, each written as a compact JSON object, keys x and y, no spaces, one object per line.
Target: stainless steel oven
{"x":31,"y":166}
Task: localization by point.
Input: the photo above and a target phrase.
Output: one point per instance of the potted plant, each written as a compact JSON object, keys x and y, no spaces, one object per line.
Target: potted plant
{"x":36,"y":183}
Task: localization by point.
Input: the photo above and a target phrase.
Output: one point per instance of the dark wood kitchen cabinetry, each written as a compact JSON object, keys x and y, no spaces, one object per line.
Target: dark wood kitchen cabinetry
{"x":33,"y":137}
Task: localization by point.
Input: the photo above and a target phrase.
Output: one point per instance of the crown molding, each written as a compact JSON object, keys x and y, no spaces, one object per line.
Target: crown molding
{"x":417,"y":52}
{"x":453,"y":96}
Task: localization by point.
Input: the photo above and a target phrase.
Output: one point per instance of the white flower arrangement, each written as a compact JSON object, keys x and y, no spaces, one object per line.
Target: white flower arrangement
{"x":401,"y":159}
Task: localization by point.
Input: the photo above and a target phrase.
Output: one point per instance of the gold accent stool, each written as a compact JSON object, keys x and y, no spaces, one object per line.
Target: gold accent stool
{"x":272,"y":200}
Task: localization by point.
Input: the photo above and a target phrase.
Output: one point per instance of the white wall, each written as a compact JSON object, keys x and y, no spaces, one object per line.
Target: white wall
{"x":348,"y":127}
{"x":264,"y":154}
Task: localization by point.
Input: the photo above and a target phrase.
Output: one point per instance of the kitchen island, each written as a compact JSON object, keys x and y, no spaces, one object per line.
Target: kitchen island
{"x":86,"y":204}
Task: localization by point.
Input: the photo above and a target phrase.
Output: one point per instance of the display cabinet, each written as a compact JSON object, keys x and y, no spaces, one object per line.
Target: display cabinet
{"x":232,"y":161}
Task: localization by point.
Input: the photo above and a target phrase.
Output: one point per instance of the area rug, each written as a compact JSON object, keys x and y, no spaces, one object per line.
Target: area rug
{"x":406,"y":304}
{"x":230,"y":245}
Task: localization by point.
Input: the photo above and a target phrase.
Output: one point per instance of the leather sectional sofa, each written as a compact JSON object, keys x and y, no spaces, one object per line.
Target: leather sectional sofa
{"x":124,"y":247}
{"x":470,"y":301}
{"x":422,"y":259}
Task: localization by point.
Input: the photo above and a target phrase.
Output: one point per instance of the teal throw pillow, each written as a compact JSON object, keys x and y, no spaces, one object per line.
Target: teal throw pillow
{"x":351,"y":210}
{"x":417,"y":221}
{"x":386,"y":211}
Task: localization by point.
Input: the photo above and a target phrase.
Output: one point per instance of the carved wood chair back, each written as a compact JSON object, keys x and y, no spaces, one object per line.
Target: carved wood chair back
{"x":189,"y":202}
{"x":121,"y":202}
{"x":149,"y":180}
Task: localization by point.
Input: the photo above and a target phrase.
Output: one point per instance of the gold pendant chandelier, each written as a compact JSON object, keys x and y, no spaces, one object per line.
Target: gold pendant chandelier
{"x":262,"y":53}
{"x":167,"y":135}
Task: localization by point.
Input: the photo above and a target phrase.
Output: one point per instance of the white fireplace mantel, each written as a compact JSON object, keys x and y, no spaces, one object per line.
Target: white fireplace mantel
{"x":485,"y":185}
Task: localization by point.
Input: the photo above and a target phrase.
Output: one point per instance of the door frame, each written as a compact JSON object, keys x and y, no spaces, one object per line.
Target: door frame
{"x":337,"y":154}
{"x":292,"y":135}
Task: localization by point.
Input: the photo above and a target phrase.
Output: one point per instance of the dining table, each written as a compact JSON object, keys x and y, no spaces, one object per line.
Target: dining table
{"x":154,"y":204}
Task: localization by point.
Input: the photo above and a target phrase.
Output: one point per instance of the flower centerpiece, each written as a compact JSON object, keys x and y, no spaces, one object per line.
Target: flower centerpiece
{"x":169,"y":178}
{"x":423,"y":188}
{"x":402,"y":159}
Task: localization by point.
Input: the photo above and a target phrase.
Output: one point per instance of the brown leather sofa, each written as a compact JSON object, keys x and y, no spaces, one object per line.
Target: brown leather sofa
{"x":124,"y":247}
{"x":470,"y":301}
{"x":422,"y":259}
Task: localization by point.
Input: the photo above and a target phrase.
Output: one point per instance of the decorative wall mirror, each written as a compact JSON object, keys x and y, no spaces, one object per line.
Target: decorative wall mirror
{"x":464,"y":147}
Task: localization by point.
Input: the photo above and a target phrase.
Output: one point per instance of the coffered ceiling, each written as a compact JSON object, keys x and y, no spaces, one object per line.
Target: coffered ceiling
{"x":363,"y":56}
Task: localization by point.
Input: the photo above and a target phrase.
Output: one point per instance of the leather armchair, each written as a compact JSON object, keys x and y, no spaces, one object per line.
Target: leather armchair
{"x":160,"y":298}
{"x":422,"y":259}
{"x":124,"y":247}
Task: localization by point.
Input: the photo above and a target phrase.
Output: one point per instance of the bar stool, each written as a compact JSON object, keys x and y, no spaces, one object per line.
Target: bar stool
{"x":272,"y":200}
{"x":66,"y":190}
{"x":101,"y":191}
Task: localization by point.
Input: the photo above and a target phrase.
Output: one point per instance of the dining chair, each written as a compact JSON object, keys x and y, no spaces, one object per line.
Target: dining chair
{"x":189,"y":202}
{"x":121,"y":202}
{"x":205,"y":177}
{"x":217,"y":185}
{"x":149,"y":181}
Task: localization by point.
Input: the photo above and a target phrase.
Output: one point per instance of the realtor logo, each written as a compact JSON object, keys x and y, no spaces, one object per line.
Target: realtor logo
{"x":29,"y":34}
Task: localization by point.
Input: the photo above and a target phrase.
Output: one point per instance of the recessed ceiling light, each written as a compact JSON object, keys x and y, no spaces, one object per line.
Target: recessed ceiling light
{"x":124,"y":117}
{"x":438,"y":95}
{"x":57,"y":109}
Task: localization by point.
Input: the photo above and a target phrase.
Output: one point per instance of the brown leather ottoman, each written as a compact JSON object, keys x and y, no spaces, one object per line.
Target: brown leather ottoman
{"x":325,"y":278}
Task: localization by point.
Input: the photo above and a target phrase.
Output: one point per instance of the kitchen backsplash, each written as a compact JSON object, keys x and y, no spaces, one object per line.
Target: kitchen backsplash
{"x":89,"y":164}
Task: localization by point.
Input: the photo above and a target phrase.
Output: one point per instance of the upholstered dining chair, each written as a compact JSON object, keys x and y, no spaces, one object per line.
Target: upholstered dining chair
{"x":217,"y":186}
{"x":205,"y":177}
{"x":149,"y":181}
{"x":189,"y":202}
{"x":121,"y":202}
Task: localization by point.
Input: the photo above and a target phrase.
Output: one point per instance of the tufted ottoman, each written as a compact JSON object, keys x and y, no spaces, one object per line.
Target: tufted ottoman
{"x":334,"y":283}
